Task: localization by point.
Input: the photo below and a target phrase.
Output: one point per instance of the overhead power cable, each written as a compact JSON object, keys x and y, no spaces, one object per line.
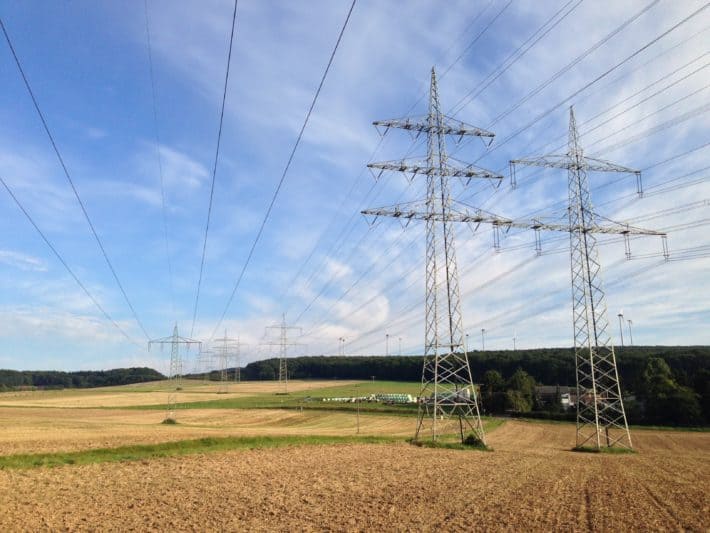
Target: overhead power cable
{"x":159,"y":157}
{"x":65,"y":265}
{"x":69,"y":178}
{"x":595,"y":80}
{"x":577,"y":60}
{"x":402,"y":250}
{"x":348,"y":225}
{"x":285,"y":171}
{"x":516,"y":55}
{"x":448,"y":68}
{"x":214,"y":168}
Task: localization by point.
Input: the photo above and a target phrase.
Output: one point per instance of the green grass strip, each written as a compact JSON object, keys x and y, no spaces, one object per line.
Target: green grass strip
{"x":447,"y":445}
{"x":176,"y":448}
{"x":610,"y":450}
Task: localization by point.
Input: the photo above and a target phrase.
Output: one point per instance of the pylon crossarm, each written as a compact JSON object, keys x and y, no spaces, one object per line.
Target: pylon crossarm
{"x":618,"y":229}
{"x":420,"y":167}
{"x":549,"y":161}
{"x":419,"y":212}
{"x":448,"y":126}
{"x":600,"y":165}
{"x":564,"y":161}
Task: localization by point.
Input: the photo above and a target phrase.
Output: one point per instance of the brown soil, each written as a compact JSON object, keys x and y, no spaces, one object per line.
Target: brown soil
{"x":530,"y":482}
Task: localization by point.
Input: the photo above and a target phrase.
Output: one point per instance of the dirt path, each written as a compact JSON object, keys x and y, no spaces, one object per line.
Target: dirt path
{"x":530,"y":482}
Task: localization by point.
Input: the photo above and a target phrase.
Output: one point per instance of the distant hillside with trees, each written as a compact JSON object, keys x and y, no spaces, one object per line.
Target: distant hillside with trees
{"x":52,"y":379}
{"x":667,"y":385}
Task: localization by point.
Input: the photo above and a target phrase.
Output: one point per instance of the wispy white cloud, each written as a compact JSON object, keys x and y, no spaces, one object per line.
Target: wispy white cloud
{"x":22,"y":261}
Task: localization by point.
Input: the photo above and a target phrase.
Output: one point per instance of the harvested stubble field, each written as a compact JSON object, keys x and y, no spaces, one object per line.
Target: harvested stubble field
{"x":531,"y":481}
{"x":24,"y":430}
{"x":152,"y":393}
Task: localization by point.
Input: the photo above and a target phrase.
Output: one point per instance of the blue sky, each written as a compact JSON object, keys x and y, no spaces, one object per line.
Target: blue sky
{"x":318,"y":260}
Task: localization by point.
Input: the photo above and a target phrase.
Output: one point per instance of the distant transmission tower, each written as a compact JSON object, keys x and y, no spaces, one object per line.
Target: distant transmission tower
{"x":283,"y":343}
{"x":601,"y":419}
{"x":204,"y":362}
{"x":175,"y":376}
{"x":448,"y":400}
{"x":227,"y":349}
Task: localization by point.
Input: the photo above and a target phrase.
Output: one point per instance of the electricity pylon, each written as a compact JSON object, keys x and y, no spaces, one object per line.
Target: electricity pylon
{"x":601,"y":419}
{"x":448,"y":401}
{"x":204,"y":363}
{"x":283,"y":343}
{"x":227,"y":349}
{"x":175,"y":375}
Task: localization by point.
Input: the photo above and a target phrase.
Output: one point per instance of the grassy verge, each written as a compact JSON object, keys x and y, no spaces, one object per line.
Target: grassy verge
{"x":612,"y":451}
{"x":450,"y":442}
{"x":447,"y":445}
{"x":172,"y":449}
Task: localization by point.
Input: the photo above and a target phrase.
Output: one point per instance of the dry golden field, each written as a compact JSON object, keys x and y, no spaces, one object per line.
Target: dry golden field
{"x":531,"y":481}
{"x":31,"y":430}
{"x":150,"y":394}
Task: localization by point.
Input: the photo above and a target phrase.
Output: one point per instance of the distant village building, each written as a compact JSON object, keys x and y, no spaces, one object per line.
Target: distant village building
{"x":549,"y":394}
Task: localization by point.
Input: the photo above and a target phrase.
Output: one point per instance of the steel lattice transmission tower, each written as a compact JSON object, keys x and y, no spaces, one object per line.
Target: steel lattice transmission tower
{"x":601,"y":419}
{"x":204,"y":363}
{"x":448,"y":402}
{"x":283,"y":343}
{"x":227,"y":349}
{"x":175,"y":376}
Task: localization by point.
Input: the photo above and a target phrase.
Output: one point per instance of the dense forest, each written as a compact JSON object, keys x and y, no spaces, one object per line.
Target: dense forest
{"x":667,"y":385}
{"x":52,"y":379}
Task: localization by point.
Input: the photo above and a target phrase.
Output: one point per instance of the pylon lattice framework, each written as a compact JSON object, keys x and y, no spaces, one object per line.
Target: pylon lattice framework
{"x":204,"y":363}
{"x":601,"y":419}
{"x":227,"y":349}
{"x":448,"y":401}
{"x":175,"y":376}
{"x":283,"y":343}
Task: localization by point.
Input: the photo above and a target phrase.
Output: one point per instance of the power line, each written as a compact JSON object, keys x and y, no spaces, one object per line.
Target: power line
{"x":160,"y":159}
{"x":399,"y":253}
{"x":458,"y":58}
{"x":285,"y":171}
{"x":214,"y":168}
{"x":562,"y":238}
{"x":64,"y":263}
{"x":515,"y":56}
{"x":348,"y":225}
{"x":575,"y":61}
{"x":594,"y":81}
{"x":655,"y":40}
{"x":69,"y":179}
{"x":594,"y":47}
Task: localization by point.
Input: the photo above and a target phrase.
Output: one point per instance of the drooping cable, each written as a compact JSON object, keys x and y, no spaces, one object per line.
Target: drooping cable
{"x":159,"y":157}
{"x":65,"y":265}
{"x":214,"y":169}
{"x":285,"y":171}
{"x":69,"y":178}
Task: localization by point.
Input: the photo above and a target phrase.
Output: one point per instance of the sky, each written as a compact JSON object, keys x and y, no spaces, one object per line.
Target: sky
{"x":640,"y":98}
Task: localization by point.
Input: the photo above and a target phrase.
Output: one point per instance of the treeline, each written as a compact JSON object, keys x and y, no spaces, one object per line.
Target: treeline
{"x":549,"y":366}
{"x":52,"y":379}
{"x":665,"y":384}
{"x":657,"y":400}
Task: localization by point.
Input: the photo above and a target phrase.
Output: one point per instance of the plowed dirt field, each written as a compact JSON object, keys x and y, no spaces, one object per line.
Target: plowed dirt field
{"x":530,"y":482}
